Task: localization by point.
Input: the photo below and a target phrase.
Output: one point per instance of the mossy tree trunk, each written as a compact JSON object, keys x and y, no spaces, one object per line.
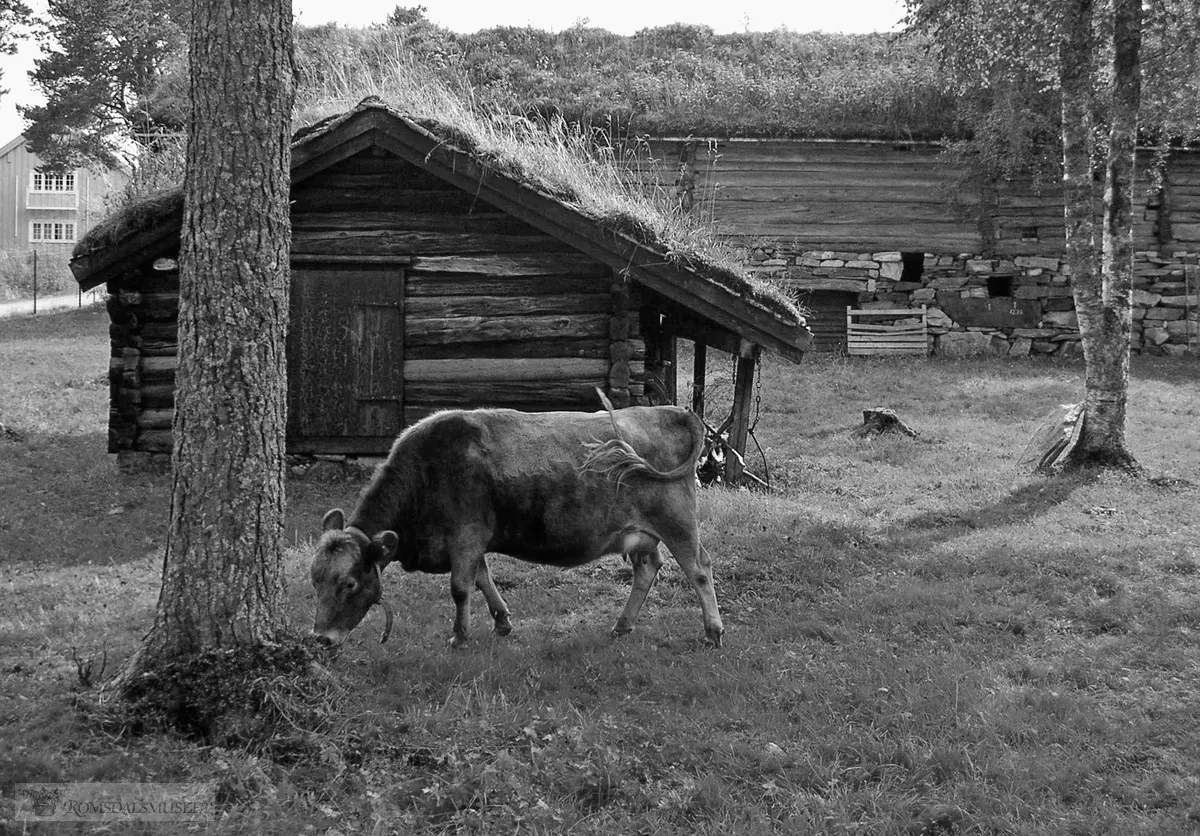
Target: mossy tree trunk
{"x":222,"y":572}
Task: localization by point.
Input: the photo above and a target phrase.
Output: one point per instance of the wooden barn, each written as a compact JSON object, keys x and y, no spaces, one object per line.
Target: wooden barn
{"x":425,"y":278}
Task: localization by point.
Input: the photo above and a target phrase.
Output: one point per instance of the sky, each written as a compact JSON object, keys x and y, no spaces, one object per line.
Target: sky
{"x":624,"y":17}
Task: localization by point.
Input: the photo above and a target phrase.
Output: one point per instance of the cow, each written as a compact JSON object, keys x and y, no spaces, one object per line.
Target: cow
{"x":553,"y":488}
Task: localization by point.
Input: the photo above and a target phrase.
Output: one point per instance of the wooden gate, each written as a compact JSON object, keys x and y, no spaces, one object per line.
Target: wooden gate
{"x":345,"y":360}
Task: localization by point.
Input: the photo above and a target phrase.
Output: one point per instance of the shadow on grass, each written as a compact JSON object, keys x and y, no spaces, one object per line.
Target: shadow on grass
{"x":1021,"y":506}
{"x":64,"y":502}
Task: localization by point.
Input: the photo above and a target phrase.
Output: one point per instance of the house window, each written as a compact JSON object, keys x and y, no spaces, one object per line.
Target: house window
{"x":51,"y":232}
{"x":44,"y":181}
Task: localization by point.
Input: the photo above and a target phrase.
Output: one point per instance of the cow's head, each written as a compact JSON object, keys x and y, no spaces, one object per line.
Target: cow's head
{"x":347,"y":575}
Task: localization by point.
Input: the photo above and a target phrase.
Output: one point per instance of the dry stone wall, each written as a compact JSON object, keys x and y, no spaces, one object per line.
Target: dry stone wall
{"x":1016,"y":306}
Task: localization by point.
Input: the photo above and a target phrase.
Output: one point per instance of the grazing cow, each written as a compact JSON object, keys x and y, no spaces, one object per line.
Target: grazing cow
{"x":555,"y":488}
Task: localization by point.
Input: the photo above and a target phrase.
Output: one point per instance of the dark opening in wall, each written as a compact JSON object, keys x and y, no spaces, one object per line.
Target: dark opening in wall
{"x":914,"y":266}
{"x":1029,"y":233}
{"x":1000,"y":286}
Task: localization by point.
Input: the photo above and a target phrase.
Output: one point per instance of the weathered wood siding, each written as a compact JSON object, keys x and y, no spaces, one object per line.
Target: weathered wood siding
{"x":873,"y":196}
{"x":494,"y":312}
{"x":407,"y":297}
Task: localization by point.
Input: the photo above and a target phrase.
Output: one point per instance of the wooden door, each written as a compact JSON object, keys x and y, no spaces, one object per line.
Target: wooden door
{"x":345,"y":360}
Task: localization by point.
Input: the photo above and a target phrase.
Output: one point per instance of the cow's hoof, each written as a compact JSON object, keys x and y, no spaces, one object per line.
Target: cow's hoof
{"x":713,"y":638}
{"x":620,"y":629}
{"x":458,"y":642}
{"x":503,"y":628}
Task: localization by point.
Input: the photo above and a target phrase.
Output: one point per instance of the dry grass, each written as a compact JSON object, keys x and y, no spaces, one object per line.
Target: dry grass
{"x":920,"y":639}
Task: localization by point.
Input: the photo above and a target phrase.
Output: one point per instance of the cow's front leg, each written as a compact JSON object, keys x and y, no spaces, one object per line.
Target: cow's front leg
{"x":466,"y":559}
{"x":499,"y":609}
{"x":645,"y":569}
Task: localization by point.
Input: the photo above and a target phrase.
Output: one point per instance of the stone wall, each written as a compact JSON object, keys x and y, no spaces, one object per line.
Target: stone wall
{"x":1010,"y":306}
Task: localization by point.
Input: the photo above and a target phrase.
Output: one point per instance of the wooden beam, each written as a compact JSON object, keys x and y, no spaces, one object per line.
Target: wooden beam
{"x":481,"y":370}
{"x":699,"y":376}
{"x":739,"y":429}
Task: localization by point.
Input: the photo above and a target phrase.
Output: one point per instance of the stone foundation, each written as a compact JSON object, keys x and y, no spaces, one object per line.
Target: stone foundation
{"x":1017,"y":306}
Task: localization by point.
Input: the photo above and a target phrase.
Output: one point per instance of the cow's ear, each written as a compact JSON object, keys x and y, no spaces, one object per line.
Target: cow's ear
{"x":388,"y":544}
{"x":335,"y":520}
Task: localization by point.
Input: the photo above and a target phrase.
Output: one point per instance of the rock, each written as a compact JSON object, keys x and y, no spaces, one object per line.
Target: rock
{"x":963,"y":344}
{"x":937,"y":318}
{"x":1036,"y":261}
{"x":891,"y":255}
{"x":1063,"y":319}
{"x":1020,"y":347}
{"x":892,"y":270}
{"x":1145,"y":299}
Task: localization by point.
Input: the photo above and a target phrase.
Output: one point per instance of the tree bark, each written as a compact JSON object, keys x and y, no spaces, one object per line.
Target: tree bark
{"x":222,"y":571}
{"x":1102,"y":288}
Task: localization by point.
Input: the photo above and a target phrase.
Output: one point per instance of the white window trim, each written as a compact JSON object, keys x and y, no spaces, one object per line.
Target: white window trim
{"x":74,"y":175}
{"x":74,"y":231}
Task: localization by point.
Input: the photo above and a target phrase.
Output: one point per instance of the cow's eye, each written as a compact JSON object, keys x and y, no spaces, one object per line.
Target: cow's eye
{"x":348,"y":586}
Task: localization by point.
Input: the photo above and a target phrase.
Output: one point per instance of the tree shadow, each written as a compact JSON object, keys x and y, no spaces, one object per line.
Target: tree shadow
{"x":1023,"y":505}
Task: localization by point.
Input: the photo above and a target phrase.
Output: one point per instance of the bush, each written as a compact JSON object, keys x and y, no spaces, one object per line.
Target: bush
{"x":17,"y":274}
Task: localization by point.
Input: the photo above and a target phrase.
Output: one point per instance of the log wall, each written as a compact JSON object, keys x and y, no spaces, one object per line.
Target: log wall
{"x":494,"y":313}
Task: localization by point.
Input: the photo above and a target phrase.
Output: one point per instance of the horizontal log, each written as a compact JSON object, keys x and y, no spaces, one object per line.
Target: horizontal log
{"x":457,"y":306}
{"x":865,"y":330}
{"x":503,"y":329}
{"x":868,"y":351}
{"x":335,"y":198}
{"x":386,"y":242}
{"x":156,"y":419}
{"x":304,"y":260}
{"x":155,"y":441}
{"x":503,"y":371}
{"x":595,"y":348}
{"x":451,"y":284}
{"x":156,"y":365}
{"x":517,"y":394}
{"x":512,"y":264}
{"x":475,"y":222}
{"x":416,"y":412}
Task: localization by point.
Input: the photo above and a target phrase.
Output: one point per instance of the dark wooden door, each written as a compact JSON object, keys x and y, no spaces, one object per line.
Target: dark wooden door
{"x":345,"y":360}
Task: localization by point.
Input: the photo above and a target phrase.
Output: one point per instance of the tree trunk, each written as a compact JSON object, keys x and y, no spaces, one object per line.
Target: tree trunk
{"x":222,"y":572}
{"x":1106,"y":345}
{"x":1102,"y":292}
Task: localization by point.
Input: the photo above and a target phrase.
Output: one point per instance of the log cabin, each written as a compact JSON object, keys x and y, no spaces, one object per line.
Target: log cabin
{"x":425,"y":277}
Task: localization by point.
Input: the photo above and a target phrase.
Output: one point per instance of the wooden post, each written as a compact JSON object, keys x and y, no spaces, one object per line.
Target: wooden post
{"x":699,"y":359}
{"x":670,"y":357}
{"x":739,"y":430}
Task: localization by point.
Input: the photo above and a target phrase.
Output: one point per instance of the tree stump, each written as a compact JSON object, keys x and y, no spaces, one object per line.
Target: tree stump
{"x":880,"y":420}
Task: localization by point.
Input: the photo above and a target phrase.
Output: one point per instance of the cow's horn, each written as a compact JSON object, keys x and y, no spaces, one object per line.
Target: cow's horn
{"x":388,"y":616}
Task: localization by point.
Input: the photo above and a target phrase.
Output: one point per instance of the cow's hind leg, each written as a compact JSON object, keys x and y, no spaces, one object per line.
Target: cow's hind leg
{"x":645,"y":569}
{"x":693,"y":559}
{"x":499,"y":609}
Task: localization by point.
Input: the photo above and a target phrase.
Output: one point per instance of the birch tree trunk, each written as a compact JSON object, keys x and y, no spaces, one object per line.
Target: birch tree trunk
{"x":1102,"y":287}
{"x":222,"y":572}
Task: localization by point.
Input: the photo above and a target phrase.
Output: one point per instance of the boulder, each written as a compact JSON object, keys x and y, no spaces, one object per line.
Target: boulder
{"x":963,"y":344}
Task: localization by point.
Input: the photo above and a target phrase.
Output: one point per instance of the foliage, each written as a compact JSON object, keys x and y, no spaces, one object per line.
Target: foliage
{"x":17,"y":274}
{"x":14,"y":16}
{"x":101,"y":65}
{"x":920,"y":638}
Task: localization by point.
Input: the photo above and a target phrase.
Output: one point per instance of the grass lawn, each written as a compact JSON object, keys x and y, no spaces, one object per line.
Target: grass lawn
{"x":920,"y":639}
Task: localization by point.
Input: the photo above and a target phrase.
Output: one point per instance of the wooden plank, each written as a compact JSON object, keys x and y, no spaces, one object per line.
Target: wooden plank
{"x":311,"y":147}
{"x":310,"y":165}
{"x":340,"y":445}
{"x":504,"y":263}
{"x":304,"y":260}
{"x":455,"y":306}
{"x":596,"y":348}
{"x":427,"y":221}
{"x":517,"y":394}
{"x":504,"y":329}
{"x":484,"y":370}
{"x":384,"y":242}
{"x":802,"y":192}
{"x":469,"y":284}
{"x":416,"y":412}
{"x":311,"y":198}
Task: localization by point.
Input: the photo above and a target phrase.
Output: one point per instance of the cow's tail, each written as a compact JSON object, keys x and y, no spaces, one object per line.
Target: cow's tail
{"x":616,"y":459}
